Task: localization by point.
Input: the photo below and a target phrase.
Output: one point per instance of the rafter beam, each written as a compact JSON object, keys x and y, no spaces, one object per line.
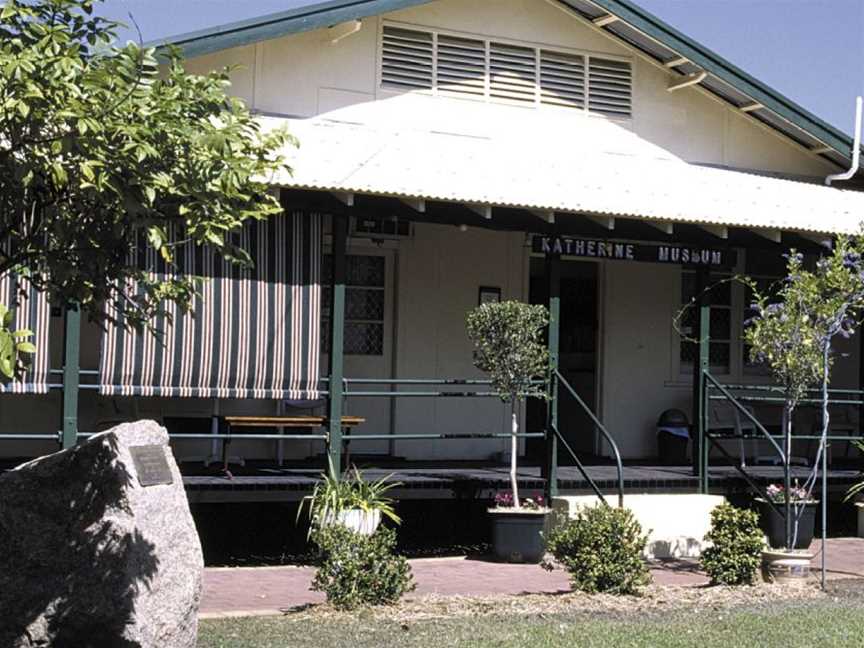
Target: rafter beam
{"x":676,"y":62}
{"x":720,"y":231}
{"x":481,"y":210}
{"x":820,"y":239}
{"x":751,"y":107}
{"x":344,"y":197}
{"x":819,"y":150}
{"x":544,"y":214}
{"x":336,"y":33}
{"x":417,"y":204}
{"x":773,"y":235}
{"x":602,"y":21}
{"x":688,"y":80}
{"x":606,"y":222}
{"x":666,"y":228}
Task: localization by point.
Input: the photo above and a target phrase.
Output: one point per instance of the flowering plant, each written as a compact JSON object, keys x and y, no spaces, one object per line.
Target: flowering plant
{"x":505,"y":500}
{"x":777,"y":494}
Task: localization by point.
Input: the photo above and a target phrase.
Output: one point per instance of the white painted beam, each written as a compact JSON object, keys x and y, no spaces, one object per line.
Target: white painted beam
{"x":345,"y":197}
{"x":689,"y":80}
{"x":676,"y":62}
{"x":545,"y":214}
{"x":751,"y":107}
{"x":606,"y":222}
{"x":482,"y":210}
{"x":666,"y":228}
{"x":417,"y":204}
{"x":818,"y":150}
{"x":773,"y":235}
{"x":824,"y":240}
{"x":602,"y":21}
{"x":337,"y":32}
{"x":720,"y":231}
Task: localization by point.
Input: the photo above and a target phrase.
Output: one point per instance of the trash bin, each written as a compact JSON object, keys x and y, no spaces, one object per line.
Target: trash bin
{"x":673,"y":433}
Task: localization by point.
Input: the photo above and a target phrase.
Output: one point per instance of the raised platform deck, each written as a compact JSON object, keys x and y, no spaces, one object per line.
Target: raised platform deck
{"x":268,"y":483}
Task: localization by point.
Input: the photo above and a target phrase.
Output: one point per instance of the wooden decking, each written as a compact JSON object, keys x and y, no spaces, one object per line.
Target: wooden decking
{"x":266,"y":483}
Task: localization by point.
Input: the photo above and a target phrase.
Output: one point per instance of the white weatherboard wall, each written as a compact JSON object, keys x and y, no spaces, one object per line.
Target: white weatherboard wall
{"x":676,"y":524}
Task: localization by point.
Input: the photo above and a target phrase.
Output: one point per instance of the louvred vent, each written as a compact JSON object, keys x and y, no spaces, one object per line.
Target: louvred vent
{"x":487,"y":69}
{"x":461,"y":66}
{"x":406,"y":58}
{"x":562,"y":79}
{"x":609,"y":87}
{"x":512,"y":72}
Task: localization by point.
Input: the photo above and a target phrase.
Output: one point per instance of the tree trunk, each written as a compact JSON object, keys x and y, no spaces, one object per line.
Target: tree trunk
{"x":514,"y":448}
{"x":787,"y":480}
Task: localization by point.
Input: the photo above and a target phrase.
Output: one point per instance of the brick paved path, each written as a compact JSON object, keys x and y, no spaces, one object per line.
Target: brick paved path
{"x":270,"y":590}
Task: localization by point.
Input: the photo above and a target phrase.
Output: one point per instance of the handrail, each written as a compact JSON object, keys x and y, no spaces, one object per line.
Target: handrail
{"x":602,"y":430}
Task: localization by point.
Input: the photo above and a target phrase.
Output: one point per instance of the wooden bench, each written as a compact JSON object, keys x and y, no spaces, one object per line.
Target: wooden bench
{"x":289,"y":421}
{"x":297,"y":421}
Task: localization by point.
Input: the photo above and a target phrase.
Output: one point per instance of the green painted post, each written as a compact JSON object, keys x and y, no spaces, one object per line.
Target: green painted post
{"x":71,"y":378}
{"x":704,"y":359}
{"x":337,"y":331}
{"x":550,"y":464}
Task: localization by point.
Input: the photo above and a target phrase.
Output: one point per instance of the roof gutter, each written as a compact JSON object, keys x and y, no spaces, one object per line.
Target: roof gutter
{"x":856,"y":149}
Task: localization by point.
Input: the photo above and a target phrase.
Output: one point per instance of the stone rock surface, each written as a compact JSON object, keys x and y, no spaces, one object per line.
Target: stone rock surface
{"x":90,"y":557}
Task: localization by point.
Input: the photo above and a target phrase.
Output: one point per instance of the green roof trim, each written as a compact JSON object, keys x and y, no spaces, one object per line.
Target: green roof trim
{"x":317,"y":15}
{"x":312,"y":16}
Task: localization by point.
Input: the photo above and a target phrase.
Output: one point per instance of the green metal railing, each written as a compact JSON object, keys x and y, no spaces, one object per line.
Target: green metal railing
{"x":602,"y":429}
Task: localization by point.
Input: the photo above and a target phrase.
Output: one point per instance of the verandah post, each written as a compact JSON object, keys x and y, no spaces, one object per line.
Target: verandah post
{"x":550,"y":458}
{"x":337,"y":328}
{"x":701,"y":329}
{"x":71,"y":361}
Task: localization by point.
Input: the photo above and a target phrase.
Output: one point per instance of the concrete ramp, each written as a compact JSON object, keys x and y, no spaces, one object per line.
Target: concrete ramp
{"x":676,"y":523}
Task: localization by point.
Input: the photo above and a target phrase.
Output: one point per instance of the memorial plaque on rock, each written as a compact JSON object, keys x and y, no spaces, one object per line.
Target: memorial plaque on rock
{"x":151,"y":465}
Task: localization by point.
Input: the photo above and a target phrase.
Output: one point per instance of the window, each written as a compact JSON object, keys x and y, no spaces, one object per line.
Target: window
{"x":364,"y":304}
{"x":720,"y":327}
{"x":413,"y":59}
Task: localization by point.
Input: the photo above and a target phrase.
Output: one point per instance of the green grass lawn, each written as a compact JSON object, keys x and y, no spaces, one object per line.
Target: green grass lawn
{"x":831,"y":622}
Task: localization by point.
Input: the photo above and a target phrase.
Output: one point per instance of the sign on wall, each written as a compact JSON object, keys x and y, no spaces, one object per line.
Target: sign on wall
{"x":686,"y":255}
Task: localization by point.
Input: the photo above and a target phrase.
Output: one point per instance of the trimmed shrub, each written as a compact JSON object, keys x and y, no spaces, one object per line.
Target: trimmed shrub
{"x":601,"y":548}
{"x":736,"y":546}
{"x":357,"y":570}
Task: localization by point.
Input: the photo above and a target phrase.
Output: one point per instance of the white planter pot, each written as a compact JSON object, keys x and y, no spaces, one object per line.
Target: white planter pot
{"x":860,"y":507}
{"x":786,"y":567}
{"x":358,"y":520}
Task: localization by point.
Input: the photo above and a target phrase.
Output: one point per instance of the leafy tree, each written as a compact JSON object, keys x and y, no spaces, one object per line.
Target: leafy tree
{"x":100,"y":146}
{"x":508,"y":345}
{"x":792,"y":330}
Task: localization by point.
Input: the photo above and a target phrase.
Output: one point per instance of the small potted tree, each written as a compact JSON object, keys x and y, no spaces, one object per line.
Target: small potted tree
{"x":508,"y":345}
{"x":791,"y":331}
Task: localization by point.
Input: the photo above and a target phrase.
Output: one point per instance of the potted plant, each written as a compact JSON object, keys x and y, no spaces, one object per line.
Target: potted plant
{"x":773,"y":522}
{"x":791,"y":331}
{"x":351,"y":502}
{"x":507,"y":338}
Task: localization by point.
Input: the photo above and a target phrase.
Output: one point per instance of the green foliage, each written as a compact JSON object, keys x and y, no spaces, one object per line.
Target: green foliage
{"x":508,"y":345}
{"x":15,"y":349}
{"x":736,"y":546}
{"x":357,"y":570}
{"x":100,"y":143}
{"x":794,"y":323}
{"x":333,"y":495}
{"x":601,"y":547}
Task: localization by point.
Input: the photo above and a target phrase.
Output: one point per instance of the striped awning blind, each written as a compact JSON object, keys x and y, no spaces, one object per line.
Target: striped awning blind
{"x":32,"y":312}
{"x":251,"y":333}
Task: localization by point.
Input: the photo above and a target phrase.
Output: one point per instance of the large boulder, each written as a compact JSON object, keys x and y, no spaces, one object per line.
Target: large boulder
{"x":97,"y":549}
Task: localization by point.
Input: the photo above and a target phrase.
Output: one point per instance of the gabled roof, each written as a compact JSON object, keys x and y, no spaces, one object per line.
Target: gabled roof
{"x":620,"y":19}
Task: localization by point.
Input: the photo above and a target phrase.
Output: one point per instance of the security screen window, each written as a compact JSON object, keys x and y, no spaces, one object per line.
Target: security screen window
{"x":364,"y":304}
{"x":720,"y":300}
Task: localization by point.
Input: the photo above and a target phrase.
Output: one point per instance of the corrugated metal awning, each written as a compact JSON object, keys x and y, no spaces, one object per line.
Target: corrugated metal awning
{"x":591,"y":167}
